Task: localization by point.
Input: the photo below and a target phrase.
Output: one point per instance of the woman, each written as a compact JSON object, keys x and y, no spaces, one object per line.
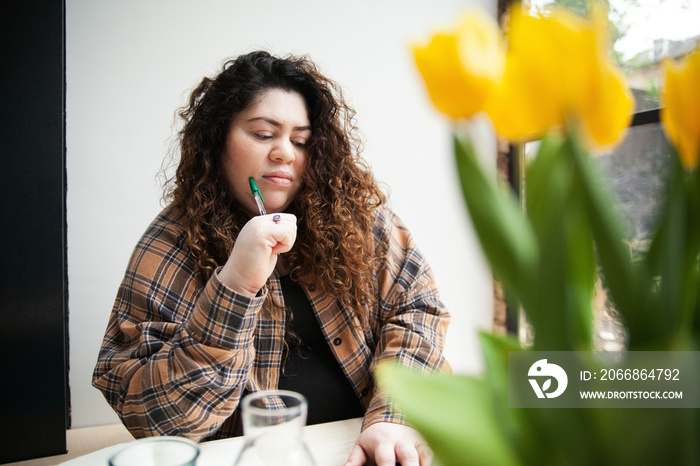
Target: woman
{"x":219,"y":301}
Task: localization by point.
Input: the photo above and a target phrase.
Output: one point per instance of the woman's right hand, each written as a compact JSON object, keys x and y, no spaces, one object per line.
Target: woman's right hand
{"x":254,"y":254}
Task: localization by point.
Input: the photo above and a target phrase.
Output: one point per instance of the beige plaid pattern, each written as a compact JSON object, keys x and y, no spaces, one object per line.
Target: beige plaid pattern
{"x":180,"y":352}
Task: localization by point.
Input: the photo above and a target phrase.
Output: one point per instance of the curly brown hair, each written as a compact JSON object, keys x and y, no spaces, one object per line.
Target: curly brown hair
{"x":334,"y":251}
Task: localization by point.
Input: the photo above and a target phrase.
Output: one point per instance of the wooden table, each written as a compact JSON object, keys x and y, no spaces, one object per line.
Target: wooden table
{"x":330,"y":445}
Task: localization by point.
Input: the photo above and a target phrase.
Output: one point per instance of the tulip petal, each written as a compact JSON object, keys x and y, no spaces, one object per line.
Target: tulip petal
{"x":606,"y":114}
{"x":606,"y":109}
{"x":481,"y":47}
{"x":681,"y":113}
{"x":525,"y":107}
{"x":557,"y":73}
{"x":461,"y":67}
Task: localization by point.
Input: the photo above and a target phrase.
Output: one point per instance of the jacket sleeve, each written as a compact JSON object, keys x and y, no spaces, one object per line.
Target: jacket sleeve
{"x":177,"y":353}
{"x":411,"y":320}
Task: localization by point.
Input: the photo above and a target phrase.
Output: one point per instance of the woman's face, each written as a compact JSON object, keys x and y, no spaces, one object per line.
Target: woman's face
{"x":267,"y":141}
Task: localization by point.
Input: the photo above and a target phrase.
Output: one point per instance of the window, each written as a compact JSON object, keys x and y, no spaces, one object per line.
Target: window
{"x":643,"y":34}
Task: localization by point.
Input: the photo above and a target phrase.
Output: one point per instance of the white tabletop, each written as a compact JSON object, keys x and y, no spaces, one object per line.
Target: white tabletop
{"x":330,"y":445}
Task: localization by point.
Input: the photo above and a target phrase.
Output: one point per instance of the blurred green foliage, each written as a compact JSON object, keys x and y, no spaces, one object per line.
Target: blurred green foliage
{"x":548,"y":256}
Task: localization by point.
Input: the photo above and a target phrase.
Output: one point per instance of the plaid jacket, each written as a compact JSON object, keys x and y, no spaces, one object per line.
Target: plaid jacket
{"x":179,"y":352}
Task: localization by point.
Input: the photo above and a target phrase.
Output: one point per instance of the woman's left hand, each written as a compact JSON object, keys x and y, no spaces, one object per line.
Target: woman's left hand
{"x":386,"y":444}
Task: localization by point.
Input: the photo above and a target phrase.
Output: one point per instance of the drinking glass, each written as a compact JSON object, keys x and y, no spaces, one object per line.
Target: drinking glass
{"x":157,"y":451}
{"x":273,"y":421}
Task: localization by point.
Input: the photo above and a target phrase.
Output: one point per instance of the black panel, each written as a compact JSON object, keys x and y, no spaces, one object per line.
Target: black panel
{"x":32,"y":208}
{"x":646,"y":117}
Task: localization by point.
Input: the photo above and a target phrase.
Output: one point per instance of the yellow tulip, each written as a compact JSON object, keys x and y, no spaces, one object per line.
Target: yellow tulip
{"x":681,"y":112}
{"x":606,"y":105}
{"x":461,"y":67}
{"x":558,"y":73}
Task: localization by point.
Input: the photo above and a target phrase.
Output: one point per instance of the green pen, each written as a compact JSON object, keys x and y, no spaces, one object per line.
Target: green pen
{"x":257,"y":195}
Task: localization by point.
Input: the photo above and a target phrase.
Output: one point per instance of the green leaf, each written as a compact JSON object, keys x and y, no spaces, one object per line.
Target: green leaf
{"x":513,"y":422}
{"x":562,"y":313}
{"x":628,"y":285}
{"x":495,"y":349}
{"x":454,"y":414}
{"x":505,"y":236}
{"x":674,"y":252}
{"x":668,"y":253}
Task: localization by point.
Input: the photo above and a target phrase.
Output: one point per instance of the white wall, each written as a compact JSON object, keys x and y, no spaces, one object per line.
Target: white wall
{"x":131,"y":63}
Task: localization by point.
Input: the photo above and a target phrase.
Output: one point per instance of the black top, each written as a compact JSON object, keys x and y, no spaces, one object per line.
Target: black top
{"x":310,"y":368}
